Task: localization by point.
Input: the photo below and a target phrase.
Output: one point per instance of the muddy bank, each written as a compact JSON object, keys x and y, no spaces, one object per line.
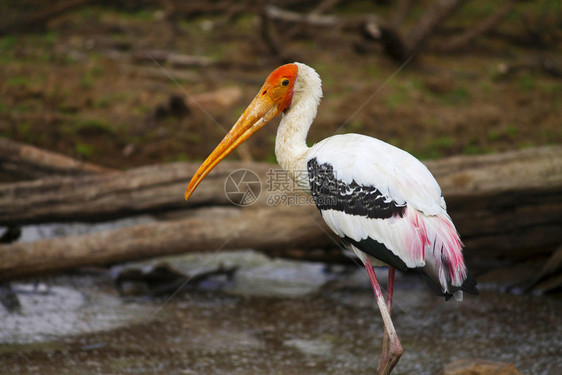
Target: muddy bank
{"x":230,"y":326}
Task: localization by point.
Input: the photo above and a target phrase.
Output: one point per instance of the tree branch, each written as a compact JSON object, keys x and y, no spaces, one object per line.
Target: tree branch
{"x":31,"y":162}
{"x":462,"y":41}
{"x":429,"y":22}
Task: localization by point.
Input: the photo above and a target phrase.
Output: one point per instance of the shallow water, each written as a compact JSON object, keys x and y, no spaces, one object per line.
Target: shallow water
{"x":335,"y":329}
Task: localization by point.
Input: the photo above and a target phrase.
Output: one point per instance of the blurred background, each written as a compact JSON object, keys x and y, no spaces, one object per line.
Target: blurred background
{"x":94,"y":87}
{"x":87,"y":79}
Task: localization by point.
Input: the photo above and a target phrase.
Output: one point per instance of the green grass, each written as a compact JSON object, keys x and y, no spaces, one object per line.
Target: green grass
{"x":459,"y":95}
{"x":511,"y":130}
{"x":442,"y":142}
{"x":18,"y":81}
{"x":24,"y":129}
{"x":193,"y":137}
{"x":141,"y":110}
{"x":475,"y":10}
{"x":485,"y":88}
{"x":69,"y":60}
{"x":50,"y":37}
{"x":108,"y":100}
{"x":526,"y":82}
{"x":102,"y":102}
{"x":432,"y":149}
{"x":245,"y":22}
{"x":86,"y":82}
{"x":373,"y":71}
{"x":494,"y":135}
{"x":94,"y":126}
{"x":271,"y":158}
{"x":143,"y":15}
{"x":23,"y":107}
{"x":84,"y":149}
{"x":89,"y":12}
{"x":7,"y":46}
{"x":473,"y":150}
{"x":399,"y":96}
{"x":505,"y":133}
{"x":355,"y":125}
{"x":473,"y":147}
{"x":525,"y":144}
{"x":181,"y":157}
{"x":97,"y":71}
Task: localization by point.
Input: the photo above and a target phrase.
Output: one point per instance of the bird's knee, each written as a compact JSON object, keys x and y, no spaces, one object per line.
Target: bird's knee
{"x":396,"y":348}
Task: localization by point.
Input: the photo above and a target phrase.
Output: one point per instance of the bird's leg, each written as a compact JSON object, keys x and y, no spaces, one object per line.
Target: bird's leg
{"x":391,"y":354}
{"x":389,"y":292}
{"x":390,"y":287}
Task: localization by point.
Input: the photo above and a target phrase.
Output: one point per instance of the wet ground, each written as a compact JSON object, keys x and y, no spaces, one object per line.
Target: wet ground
{"x":272,"y":317}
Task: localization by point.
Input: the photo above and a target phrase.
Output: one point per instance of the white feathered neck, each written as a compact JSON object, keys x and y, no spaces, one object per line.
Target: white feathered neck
{"x":290,"y":144}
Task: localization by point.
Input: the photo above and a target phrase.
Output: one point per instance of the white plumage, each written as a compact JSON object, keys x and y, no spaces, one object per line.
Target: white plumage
{"x":423,"y":231}
{"x":424,"y":237}
{"x":372,"y":162}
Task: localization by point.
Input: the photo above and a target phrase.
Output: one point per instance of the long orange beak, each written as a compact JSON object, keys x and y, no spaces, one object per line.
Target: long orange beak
{"x":259,"y":112}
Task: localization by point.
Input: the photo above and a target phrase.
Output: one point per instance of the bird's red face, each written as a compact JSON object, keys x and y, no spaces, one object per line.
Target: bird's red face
{"x":274,"y":97}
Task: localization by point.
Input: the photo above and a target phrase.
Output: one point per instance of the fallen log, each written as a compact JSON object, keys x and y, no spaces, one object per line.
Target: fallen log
{"x":508,"y":204}
{"x":294,"y":232}
{"x":27,"y":161}
{"x":149,"y":189}
{"x":504,"y":206}
{"x":263,"y":229}
{"x":476,"y":179}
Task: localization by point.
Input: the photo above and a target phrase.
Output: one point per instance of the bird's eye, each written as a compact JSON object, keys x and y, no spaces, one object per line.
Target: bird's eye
{"x":285,"y":82}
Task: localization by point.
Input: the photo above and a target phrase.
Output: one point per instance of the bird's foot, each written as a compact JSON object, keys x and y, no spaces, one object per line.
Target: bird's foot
{"x":391,"y":353}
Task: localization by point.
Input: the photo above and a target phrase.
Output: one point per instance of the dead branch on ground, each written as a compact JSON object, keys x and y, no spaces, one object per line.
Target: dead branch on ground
{"x":398,"y":44}
{"x":263,"y":229}
{"x":322,"y":7}
{"x":141,"y":190}
{"x":27,"y":161}
{"x":38,"y":20}
{"x":549,"y":66}
{"x":462,"y":41}
{"x":174,"y":59}
{"x":160,"y":187}
{"x":401,"y":11}
{"x":267,"y":32}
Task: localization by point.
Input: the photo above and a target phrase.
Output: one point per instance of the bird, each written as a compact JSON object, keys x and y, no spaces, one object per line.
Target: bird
{"x":382,"y":202}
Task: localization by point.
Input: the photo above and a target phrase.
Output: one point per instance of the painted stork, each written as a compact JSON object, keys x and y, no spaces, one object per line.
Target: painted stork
{"x":382,"y":202}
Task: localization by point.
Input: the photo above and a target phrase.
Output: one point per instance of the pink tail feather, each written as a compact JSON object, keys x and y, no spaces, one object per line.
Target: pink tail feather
{"x":444,"y":262}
